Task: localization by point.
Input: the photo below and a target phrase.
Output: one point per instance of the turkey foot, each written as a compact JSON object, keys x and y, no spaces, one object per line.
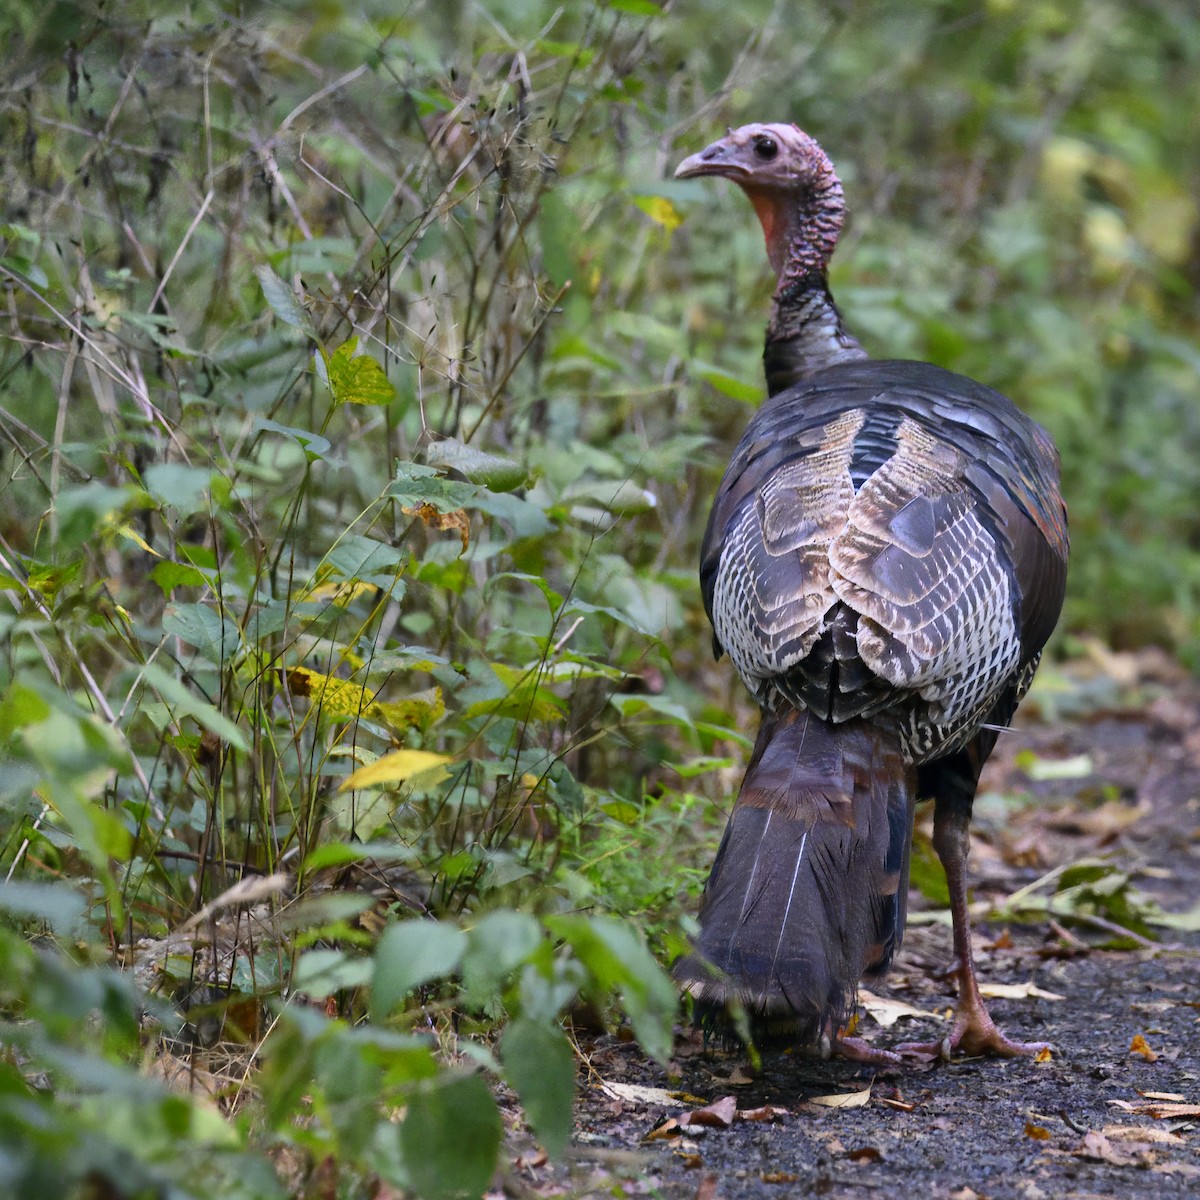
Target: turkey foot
{"x":974,"y":1032}
{"x":841,"y":1044}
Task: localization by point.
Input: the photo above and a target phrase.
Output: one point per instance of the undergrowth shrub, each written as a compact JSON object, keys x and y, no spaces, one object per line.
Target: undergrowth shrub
{"x":355,"y":689}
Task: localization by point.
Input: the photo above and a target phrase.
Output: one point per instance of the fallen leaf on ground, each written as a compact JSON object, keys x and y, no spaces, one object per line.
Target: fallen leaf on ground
{"x":885,"y":1011}
{"x":865,"y":1154}
{"x":637,"y":1093}
{"x":1142,"y":1133}
{"x":1139,"y":1045}
{"x":1038,"y":1132}
{"x":1158,"y":1110}
{"x":1016,"y":991}
{"x":717,"y":1115}
{"x":537,"y":1158}
{"x":778,"y":1177}
{"x":768,"y":1112}
{"x":843,"y":1099}
{"x":1097,"y":1147}
{"x":1177,"y":1097}
{"x":707,"y":1189}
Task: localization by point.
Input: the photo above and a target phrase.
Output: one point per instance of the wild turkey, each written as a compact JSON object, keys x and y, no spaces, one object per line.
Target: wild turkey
{"x":885,"y":559}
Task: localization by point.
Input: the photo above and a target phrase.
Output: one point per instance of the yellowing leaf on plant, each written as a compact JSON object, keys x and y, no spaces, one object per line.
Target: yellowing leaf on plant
{"x":343,"y":700}
{"x":340,"y":592}
{"x":337,"y":699}
{"x":397,"y":767}
{"x":436,"y":519}
{"x":420,"y":709}
{"x":357,"y":378}
{"x":660,"y":210}
{"x":136,"y":538}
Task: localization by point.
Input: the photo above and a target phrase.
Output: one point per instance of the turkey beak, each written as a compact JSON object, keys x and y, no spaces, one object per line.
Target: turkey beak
{"x":717,"y":159}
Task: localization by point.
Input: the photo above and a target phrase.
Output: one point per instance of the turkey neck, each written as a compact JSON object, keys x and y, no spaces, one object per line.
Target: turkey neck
{"x":806,"y":333}
{"x":802,"y":226}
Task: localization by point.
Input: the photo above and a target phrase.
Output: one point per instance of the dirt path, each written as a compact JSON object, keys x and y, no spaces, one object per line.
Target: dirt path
{"x":1108,"y":1115}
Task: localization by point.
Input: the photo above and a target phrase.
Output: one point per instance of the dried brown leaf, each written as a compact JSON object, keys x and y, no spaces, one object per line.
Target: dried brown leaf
{"x":1016,"y":991}
{"x":1038,"y":1132}
{"x":768,"y":1112}
{"x":636,"y":1093}
{"x":885,"y":1011}
{"x":1098,"y":1148}
{"x":1142,"y":1133}
{"x":865,"y":1154}
{"x":843,"y":1099}
{"x":717,"y":1115}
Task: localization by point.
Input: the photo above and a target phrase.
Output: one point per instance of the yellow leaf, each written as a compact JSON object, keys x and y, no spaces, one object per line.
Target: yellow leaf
{"x":340,"y":592}
{"x":660,"y":210}
{"x":1139,"y":1045}
{"x":421,"y":710}
{"x":337,"y":699}
{"x":397,"y":767}
{"x":357,"y":378}
{"x":137,"y":539}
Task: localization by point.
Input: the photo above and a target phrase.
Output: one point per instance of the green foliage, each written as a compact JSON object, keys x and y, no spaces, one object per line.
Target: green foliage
{"x":362,"y":375}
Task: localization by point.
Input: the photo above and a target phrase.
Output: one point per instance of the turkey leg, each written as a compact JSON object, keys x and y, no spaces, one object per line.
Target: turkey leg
{"x":974,"y":1031}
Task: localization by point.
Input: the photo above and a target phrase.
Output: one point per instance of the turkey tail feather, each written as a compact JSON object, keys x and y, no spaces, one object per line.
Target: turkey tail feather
{"x":808,"y":891}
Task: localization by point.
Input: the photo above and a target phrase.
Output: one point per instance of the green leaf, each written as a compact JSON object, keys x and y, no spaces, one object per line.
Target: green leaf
{"x":496,"y":945}
{"x":170,"y":575}
{"x":728,"y":385}
{"x":60,"y":906}
{"x":637,"y":8}
{"x":357,"y":378}
{"x":494,"y":472}
{"x":540,"y":1064}
{"x":321,"y":973}
{"x":313,"y":444}
{"x":199,"y":625}
{"x":285,"y":304}
{"x":184,"y":704}
{"x":182,"y":487}
{"x":450,"y":1138}
{"x":617,"y":959}
{"x":416,"y":484}
{"x":409,"y":954}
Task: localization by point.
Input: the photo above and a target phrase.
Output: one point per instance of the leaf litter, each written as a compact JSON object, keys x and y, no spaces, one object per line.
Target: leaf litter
{"x":1095,"y":863}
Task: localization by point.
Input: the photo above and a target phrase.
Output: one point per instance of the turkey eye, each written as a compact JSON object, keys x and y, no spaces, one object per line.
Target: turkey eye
{"x":766,"y":148}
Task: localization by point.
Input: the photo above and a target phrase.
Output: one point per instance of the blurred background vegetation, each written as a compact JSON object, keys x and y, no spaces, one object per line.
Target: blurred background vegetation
{"x":364,"y":376}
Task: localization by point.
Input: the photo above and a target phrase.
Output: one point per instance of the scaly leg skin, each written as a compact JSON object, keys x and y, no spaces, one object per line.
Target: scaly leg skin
{"x":836,"y":1044}
{"x":974,"y":1031}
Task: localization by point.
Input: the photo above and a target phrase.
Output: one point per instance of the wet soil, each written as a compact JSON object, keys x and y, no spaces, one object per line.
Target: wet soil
{"x":1113,"y":1112}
